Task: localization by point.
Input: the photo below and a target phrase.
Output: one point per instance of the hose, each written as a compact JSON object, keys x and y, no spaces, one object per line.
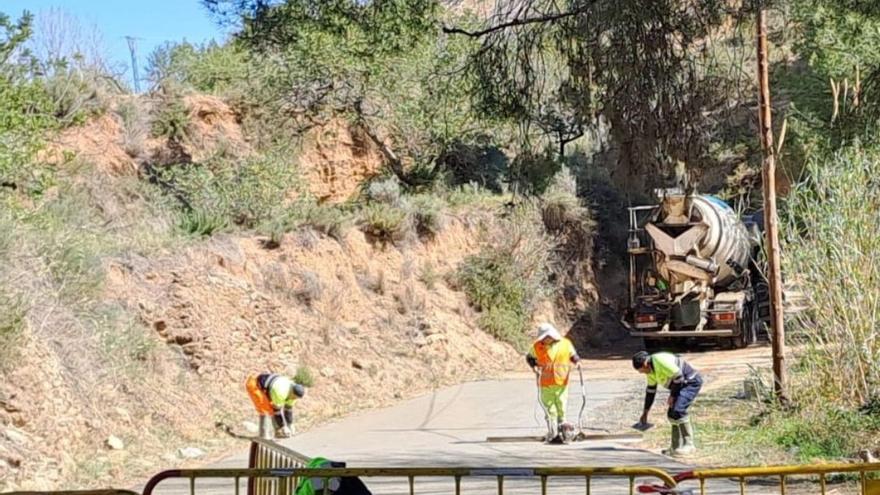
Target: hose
{"x":583,"y":401}
{"x":541,"y":402}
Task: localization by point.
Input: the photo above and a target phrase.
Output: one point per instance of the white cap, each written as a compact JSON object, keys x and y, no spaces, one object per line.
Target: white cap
{"x":547,"y":330}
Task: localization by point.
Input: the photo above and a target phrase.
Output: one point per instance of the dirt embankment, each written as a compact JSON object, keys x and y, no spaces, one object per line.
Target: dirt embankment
{"x":94,"y":406}
{"x":334,"y":159}
{"x":370,"y":325}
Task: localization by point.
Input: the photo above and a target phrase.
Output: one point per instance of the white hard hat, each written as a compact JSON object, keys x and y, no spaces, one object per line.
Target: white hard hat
{"x":547,"y":330}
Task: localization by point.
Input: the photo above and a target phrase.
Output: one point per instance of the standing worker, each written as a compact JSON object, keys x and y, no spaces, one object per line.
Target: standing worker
{"x":683,"y":382}
{"x":551,"y":358}
{"x":273,"y":395}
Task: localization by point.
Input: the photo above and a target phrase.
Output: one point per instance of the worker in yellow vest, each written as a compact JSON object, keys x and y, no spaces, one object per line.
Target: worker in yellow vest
{"x":551,"y":358}
{"x":273,"y":396}
{"x":684,"y":383}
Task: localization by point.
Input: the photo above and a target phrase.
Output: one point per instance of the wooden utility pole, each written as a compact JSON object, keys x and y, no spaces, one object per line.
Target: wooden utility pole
{"x":771,"y":220}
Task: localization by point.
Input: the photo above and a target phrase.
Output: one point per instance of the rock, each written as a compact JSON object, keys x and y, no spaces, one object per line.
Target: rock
{"x":356,"y":364}
{"x":115,"y":442}
{"x":190,"y":452}
{"x":15,"y":436}
{"x":328,"y":372}
{"x":250,"y":426}
{"x":123,"y":413}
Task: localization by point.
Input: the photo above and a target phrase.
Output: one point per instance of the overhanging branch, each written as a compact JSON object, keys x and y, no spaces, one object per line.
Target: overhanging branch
{"x":517,"y":22}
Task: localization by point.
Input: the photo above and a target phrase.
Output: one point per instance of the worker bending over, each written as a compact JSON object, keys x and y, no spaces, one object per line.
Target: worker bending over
{"x":551,"y":358}
{"x":683,"y":382}
{"x":273,"y":395}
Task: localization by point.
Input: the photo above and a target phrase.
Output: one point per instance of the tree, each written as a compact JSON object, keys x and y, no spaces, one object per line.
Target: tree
{"x":641,"y":66}
{"x":380,"y":63}
{"x":24,"y":105}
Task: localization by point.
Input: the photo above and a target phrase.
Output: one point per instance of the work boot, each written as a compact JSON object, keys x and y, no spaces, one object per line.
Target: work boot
{"x":266,"y":428}
{"x":687,"y":436}
{"x":566,"y":431}
{"x":552,"y":431}
{"x":676,"y":440}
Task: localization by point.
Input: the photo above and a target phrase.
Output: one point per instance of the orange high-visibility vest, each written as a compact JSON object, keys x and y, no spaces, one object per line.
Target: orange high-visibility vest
{"x":554,"y":361}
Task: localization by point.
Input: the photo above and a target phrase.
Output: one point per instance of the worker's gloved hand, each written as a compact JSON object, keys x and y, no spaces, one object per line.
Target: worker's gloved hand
{"x":643,"y":426}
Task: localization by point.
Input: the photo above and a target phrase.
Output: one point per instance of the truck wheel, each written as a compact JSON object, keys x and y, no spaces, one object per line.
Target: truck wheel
{"x":747,"y":328}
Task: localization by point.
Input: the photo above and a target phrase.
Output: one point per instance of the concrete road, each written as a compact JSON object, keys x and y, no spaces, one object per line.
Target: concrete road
{"x":449,"y":427}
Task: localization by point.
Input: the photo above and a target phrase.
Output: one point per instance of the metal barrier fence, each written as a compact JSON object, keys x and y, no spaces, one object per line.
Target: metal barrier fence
{"x":108,"y":491}
{"x":866,"y":472}
{"x":285,"y":484}
{"x":265,"y":454}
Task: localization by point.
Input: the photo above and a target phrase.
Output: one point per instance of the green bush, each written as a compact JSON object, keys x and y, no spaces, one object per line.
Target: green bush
{"x":228,"y":191}
{"x":304,"y":376}
{"x":495,"y":287}
{"x":201,"y":223}
{"x":26,"y":111}
{"x":384,"y":223}
{"x":208,"y":68}
{"x":171,"y":119}
{"x":824,"y":434}
{"x":509,"y":276}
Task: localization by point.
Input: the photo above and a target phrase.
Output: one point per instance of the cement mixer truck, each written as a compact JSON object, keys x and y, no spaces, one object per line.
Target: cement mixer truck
{"x":692,"y":272}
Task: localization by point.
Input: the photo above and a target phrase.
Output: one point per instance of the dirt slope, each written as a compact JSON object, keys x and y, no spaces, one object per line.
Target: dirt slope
{"x":371,"y":325}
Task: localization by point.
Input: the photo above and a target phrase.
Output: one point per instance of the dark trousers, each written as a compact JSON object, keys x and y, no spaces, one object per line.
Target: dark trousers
{"x":682,"y":400}
{"x":287,"y":417}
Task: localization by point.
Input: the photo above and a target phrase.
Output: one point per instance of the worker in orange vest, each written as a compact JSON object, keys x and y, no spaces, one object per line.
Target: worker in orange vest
{"x":273,"y":396}
{"x":551,"y":358}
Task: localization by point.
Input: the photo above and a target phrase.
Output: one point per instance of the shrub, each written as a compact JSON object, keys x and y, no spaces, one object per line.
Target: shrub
{"x":329,"y":220}
{"x":824,"y":433}
{"x":171,"y":118}
{"x":384,"y":191}
{"x":494,"y":287}
{"x":304,"y":376}
{"x":227,"y":191}
{"x":309,"y":287}
{"x":429,"y":275}
{"x":531,"y":173}
{"x":208,"y":68}
{"x":506,"y":279}
{"x":12,"y":328}
{"x":384,"y":223}
{"x":125,"y":344}
{"x":135,"y":126}
{"x":826,"y":249}
{"x":427,"y":215}
{"x":201,"y":223}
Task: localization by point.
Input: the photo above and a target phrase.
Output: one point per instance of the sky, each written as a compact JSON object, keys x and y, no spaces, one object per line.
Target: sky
{"x":152,"y":22}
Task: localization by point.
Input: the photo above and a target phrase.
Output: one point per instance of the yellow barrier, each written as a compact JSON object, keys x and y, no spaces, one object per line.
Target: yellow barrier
{"x":285,"y":485}
{"x":742,"y":475}
{"x":265,"y":454}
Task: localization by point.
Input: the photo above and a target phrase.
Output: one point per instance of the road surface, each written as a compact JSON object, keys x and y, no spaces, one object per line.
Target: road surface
{"x":449,"y":427}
